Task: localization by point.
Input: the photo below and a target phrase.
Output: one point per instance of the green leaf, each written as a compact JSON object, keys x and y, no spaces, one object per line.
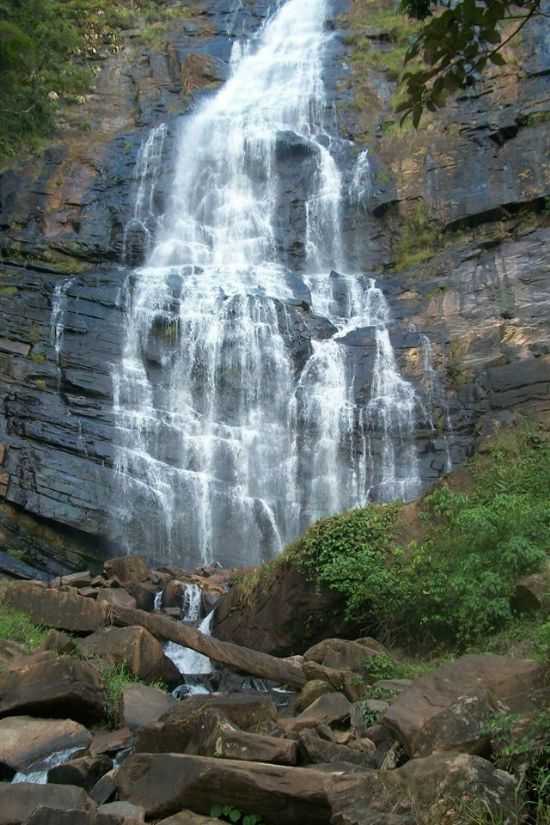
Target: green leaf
{"x":497,"y":59}
{"x":235,"y":815}
{"x":216,"y":811}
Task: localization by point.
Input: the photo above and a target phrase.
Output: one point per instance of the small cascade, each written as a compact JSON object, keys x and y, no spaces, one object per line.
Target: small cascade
{"x":361,"y":181}
{"x":139,"y":230}
{"x":157,"y":605}
{"x":57,"y":320}
{"x":189,"y":662}
{"x":434,"y":393}
{"x":37,"y":774}
{"x":192,"y":603}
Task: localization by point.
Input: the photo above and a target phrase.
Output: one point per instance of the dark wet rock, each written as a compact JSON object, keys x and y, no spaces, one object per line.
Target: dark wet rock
{"x":59,"y":609}
{"x":17,"y":802}
{"x":52,"y":686}
{"x":448,"y":709}
{"x":83,"y":772}
{"x":24,"y":740}
{"x":142,"y":706}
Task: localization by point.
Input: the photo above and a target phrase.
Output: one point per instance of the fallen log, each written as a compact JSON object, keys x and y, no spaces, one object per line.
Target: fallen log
{"x":233,"y":656}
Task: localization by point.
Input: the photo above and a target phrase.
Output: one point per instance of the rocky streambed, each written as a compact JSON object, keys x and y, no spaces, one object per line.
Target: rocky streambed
{"x":317,"y":737}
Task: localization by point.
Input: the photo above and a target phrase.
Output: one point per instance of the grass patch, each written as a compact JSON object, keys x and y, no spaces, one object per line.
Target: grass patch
{"x":117,"y":678}
{"x":17,"y":627}
{"x":419,"y":239}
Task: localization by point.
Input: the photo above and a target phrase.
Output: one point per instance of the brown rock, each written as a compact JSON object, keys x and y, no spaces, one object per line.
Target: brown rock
{"x":142,"y":705}
{"x":82,"y":579}
{"x":105,"y":790}
{"x":24,"y":740}
{"x":17,"y":802}
{"x":127,"y":569}
{"x":174,"y":731}
{"x":110,"y":741}
{"x":144,"y":594}
{"x":343,"y":681}
{"x":413,"y":716}
{"x":329,"y":709}
{"x":61,"y":686}
{"x":532,"y":593}
{"x":423,"y":792}
{"x":58,"y":642}
{"x":134,"y":647}
{"x":340,"y":654}
{"x":124,"y":811}
{"x":84,"y":772}
{"x":284,"y":614}
{"x":164,"y":783}
{"x":116,"y":595}
{"x":314,"y":750}
{"x":311,"y":691}
{"x":189,"y":818}
{"x":60,"y":609}
{"x":10,"y":651}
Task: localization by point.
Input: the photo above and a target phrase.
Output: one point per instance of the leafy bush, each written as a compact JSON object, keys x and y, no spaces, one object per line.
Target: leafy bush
{"x":229,"y":814}
{"x":542,"y":641}
{"x":454,"y":585}
{"x":17,"y":627}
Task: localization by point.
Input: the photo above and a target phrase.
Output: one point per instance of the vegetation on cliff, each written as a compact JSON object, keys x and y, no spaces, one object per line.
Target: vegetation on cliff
{"x":443,"y":571}
{"x":49,"y":56}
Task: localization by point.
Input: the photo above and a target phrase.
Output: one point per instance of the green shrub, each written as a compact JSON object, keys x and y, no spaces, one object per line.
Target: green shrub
{"x":17,"y":627}
{"x":542,"y":642}
{"x":227,"y":813}
{"x":454,"y":585}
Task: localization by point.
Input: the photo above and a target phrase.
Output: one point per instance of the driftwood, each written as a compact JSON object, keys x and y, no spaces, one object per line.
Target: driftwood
{"x":226,"y":653}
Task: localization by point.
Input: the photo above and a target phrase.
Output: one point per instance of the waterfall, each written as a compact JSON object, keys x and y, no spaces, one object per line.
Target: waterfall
{"x":37,"y":774}
{"x":433,"y":392}
{"x":361,"y":181}
{"x":139,"y":230}
{"x":227,"y":447}
{"x":57,"y":321}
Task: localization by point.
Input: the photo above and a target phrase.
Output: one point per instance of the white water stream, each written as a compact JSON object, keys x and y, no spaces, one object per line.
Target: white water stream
{"x":225,"y":450}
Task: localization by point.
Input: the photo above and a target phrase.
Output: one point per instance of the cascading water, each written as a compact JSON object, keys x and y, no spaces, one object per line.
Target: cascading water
{"x":189,"y":662}
{"x":140,"y":228}
{"x":57,"y":320}
{"x":38,"y":774}
{"x":227,"y":446}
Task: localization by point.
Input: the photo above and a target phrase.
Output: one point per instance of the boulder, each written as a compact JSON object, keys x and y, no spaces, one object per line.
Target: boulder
{"x":134,"y":647}
{"x":59,"y":642}
{"x":84,"y":772}
{"x":127,"y":569}
{"x":165,"y":783}
{"x":51,"y":816}
{"x":283,"y":614}
{"x":81,"y":579}
{"x":209,"y":733}
{"x":173,"y":731}
{"x":10,"y":651}
{"x":425,"y":791}
{"x":24,"y":740}
{"x":54,"y":686}
{"x":17,"y":802}
{"x":116,"y":595}
{"x":532,"y":593}
{"x":60,"y":609}
{"x":105,"y":790}
{"x":144,"y":594}
{"x":428,"y":715}
{"x":341,"y":654}
{"x":315,"y":750}
{"x":329,"y":709}
{"x":142,"y":705}
{"x":189,"y":818}
{"x":340,"y":680}
{"x":110,"y":741}
{"x":311,"y":691}
{"x":123,"y":810}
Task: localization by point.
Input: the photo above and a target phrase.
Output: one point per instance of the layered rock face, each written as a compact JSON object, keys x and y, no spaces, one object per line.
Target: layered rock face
{"x":469,"y":324}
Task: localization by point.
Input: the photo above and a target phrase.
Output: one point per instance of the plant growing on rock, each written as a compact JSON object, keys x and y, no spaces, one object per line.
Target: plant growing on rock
{"x":229,"y":814}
